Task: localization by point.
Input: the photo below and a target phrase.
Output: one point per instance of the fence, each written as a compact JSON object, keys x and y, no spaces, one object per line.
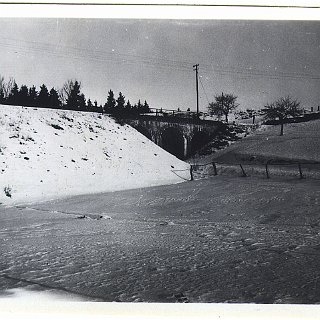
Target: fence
{"x":272,"y":168}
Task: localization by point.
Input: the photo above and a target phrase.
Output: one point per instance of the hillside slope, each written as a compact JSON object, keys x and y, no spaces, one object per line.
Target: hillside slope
{"x":47,"y":154}
{"x":301,"y":141}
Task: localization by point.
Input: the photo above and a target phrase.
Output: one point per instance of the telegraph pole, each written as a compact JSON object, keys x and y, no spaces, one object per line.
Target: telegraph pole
{"x":195,"y":68}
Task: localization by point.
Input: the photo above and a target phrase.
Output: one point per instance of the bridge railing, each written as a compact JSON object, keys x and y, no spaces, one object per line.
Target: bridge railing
{"x":176,"y":113}
{"x":175,"y":119}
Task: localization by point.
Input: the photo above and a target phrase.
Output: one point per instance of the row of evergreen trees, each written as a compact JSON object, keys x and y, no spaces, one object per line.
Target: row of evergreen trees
{"x":120,"y":107}
{"x":68,"y":98}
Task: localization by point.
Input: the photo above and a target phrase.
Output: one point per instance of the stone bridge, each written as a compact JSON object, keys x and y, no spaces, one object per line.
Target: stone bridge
{"x":181,"y":137}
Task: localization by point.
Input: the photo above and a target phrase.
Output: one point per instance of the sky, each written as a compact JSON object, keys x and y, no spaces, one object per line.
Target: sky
{"x":258,"y":61}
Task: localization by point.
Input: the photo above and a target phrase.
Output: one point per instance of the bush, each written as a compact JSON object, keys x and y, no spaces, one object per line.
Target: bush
{"x":8,"y":191}
{"x":56,"y":126}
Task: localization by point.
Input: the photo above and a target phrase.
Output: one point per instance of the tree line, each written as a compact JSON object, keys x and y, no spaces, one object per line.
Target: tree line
{"x":69,"y":97}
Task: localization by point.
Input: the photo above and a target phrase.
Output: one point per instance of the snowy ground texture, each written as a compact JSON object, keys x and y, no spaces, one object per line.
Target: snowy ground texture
{"x":223,"y":239}
{"x":301,"y":141}
{"x":47,"y":154}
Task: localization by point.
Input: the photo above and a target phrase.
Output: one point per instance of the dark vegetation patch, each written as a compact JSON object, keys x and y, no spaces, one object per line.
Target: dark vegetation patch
{"x":56,"y":126}
{"x":222,"y":139}
{"x":28,"y":138}
{"x":8,"y":191}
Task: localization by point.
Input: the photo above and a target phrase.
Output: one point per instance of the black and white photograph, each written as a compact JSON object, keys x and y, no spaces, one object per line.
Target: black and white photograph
{"x":170,"y":161}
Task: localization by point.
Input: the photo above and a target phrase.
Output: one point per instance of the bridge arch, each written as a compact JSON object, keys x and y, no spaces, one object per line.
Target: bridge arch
{"x":173,"y":141}
{"x":143,"y":130}
{"x":199,"y":139}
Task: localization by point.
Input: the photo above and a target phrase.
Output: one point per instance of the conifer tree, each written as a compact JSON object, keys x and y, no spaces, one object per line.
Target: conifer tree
{"x":95,"y":106}
{"x":120,"y":104}
{"x":82,"y":103}
{"x":74,"y":101}
{"x":146,"y":108}
{"x":139,"y":107}
{"x":23,"y":96}
{"x":109,"y":106}
{"x":90,"y":105}
{"x":33,"y":95}
{"x":128,"y":107}
{"x":54,"y":101}
{"x":43,"y":97}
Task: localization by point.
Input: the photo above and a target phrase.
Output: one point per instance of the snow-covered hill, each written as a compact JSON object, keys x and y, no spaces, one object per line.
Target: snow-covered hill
{"x":300,"y":142}
{"x":47,"y":154}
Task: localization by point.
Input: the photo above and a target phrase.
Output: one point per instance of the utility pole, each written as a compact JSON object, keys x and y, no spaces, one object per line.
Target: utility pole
{"x":195,"y":68}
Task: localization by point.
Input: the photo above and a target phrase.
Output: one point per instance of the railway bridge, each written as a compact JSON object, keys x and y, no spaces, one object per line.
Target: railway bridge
{"x":181,"y":137}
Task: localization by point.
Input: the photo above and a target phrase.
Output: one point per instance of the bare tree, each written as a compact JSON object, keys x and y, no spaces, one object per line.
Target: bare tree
{"x":2,"y":89}
{"x":6,"y":87}
{"x":66,"y":90}
{"x":223,"y":105}
{"x":281,"y":110}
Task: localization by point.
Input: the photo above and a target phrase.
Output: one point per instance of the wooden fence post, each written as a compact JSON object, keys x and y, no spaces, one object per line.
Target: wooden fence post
{"x":300,"y":170}
{"x":267,"y":171}
{"x":214,"y":169}
{"x":191,"y":173}
{"x":243,"y":172}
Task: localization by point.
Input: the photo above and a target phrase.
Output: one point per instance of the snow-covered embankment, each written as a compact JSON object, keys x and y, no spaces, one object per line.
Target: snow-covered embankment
{"x":47,"y":154}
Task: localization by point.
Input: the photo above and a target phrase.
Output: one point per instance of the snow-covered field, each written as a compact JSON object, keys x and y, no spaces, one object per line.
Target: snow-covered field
{"x":299,"y":142}
{"x":47,"y":154}
{"x":215,"y":240}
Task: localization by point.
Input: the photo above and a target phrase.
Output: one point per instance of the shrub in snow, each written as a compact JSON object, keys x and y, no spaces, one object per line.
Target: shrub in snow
{"x":8,"y":191}
{"x":27,"y":138}
{"x":56,"y":126}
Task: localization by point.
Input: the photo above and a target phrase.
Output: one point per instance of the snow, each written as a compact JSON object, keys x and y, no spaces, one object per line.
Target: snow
{"x":299,"y":142}
{"x":35,"y":297}
{"x":48,"y":154}
{"x":225,"y":239}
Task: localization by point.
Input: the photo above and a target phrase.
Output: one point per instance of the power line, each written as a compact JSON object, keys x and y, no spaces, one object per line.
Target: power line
{"x":265,"y":75}
{"x":178,"y":65}
{"x":55,"y":50}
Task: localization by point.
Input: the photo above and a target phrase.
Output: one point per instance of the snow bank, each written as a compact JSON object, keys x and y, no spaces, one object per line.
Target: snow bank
{"x":47,"y":154}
